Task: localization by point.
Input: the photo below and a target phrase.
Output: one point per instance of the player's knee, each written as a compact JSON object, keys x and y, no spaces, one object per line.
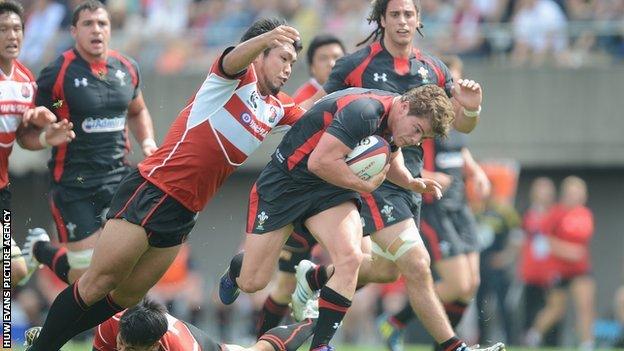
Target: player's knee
{"x":18,"y":270}
{"x":95,"y":286}
{"x":387,"y":274}
{"x":286,"y":285}
{"x":349,"y":261}
{"x":418,"y":269}
{"x":474,"y":287}
{"x":252,"y":283}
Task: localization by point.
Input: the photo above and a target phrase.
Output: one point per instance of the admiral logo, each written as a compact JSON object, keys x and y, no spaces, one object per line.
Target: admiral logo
{"x":103,"y":125}
{"x":377,"y":77}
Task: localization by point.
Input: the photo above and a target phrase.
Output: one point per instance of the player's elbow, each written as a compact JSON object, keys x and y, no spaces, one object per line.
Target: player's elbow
{"x":316,"y":165}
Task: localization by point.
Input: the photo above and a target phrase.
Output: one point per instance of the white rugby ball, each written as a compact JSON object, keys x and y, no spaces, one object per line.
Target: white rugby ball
{"x":369,"y":157}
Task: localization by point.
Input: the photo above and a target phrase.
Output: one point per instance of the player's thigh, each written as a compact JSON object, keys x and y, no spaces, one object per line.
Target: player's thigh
{"x":454,"y":270}
{"x":76,"y":216}
{"x":146,"y":272}
{"x":583,"y":290}
{"x":262,"y":252}
{"x":338,"y":229}
{"x":120,"y":247}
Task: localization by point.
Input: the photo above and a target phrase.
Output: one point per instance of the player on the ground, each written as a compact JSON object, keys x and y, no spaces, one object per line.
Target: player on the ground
{"x":447,"y":225}
{"x":390,"y":214}
{"x":324,"y":51}
{"x":308,"y":180}
{"x":17,"y":111}
{"x":148,"y":327}
{"x":322,"y":54}
{"x":155,"y":207}
{"x":97,"y":89}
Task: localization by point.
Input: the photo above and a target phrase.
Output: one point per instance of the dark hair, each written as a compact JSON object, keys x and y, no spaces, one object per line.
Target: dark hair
{"x":322,"y":40}
{"x":10,"y":6}
{"x":89,"y":5}
{"x":430,"y":101}
{"x":378,"y":11}
{"x":265,"y":25}
{"x":143,"y":324}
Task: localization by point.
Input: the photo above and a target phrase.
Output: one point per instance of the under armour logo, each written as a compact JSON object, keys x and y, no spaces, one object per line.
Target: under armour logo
{"x":71,"y":227}
{"x":382,"y":77}
{"x":79,"y":82}
{"x":121,"y":76}
{"x":337,"y":325}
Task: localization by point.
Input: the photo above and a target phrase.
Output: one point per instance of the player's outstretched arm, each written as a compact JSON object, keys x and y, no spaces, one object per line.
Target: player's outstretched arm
{"x":467,"y":97}
{"x":244,"y":53}
{"x":55,"y":134}
{"x":400,"y":175}
{"x":474,"y":171}
{"x":141,"y":126}
{"x":306,"y":104}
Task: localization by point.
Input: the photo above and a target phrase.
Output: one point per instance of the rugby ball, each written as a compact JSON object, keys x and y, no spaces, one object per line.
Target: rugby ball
{"x":369,"y":157}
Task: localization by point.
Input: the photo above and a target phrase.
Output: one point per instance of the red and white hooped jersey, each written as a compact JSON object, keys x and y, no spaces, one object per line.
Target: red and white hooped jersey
{"x":306,"y":91}
{"x":225,"y":122}
{"x":177,"y":338}
{"x":17,"y":94}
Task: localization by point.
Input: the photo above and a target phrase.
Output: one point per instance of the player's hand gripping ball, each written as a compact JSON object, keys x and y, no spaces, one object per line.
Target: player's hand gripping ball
{"x":369,"y":157}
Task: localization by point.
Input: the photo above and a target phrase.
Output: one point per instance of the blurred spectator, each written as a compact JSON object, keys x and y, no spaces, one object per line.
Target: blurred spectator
{"x":540,"y":30}
{"x":41,"y":27}
{"x":535,"y":252}
{"x":467,"y":40}
{"x":569,"y":227}
{"x":619,"y":314}
{"x":181,"y":289}
{"x":436,"y":17}
{"x":498,"y":225}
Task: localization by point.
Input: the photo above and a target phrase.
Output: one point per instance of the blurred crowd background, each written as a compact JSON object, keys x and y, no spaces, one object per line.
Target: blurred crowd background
{"x":174,"y":35}
{"x":552,"y":72}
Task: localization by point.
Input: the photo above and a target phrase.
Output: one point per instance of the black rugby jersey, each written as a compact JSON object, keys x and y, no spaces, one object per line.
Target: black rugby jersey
{"x":375,"y":68}
{"x":350,"y":115}
{"x":445,"y":155}
{"x":95,"y":97}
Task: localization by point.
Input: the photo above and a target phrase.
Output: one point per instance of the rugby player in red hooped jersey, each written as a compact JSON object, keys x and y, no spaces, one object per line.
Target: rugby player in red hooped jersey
{"x":148,"y":327}
{"x":324,"y":51}
{"x":155,"y":206}
{"x":569,"y":228}
{"x":17,"y":91}
{"x":535,"y":249}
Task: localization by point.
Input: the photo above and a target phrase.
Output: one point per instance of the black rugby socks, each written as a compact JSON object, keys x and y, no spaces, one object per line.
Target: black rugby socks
{"x":65,"y":311}
{"x":270,"y":316}
{"x":53,"y":257}
{"x":289,"y":337}
{"x":332,"y":308}
{"x":317,"y":277}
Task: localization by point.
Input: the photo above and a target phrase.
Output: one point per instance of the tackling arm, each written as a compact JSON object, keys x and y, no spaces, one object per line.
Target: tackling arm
{"x":327,"y":161}
{"x":140,"y":123}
